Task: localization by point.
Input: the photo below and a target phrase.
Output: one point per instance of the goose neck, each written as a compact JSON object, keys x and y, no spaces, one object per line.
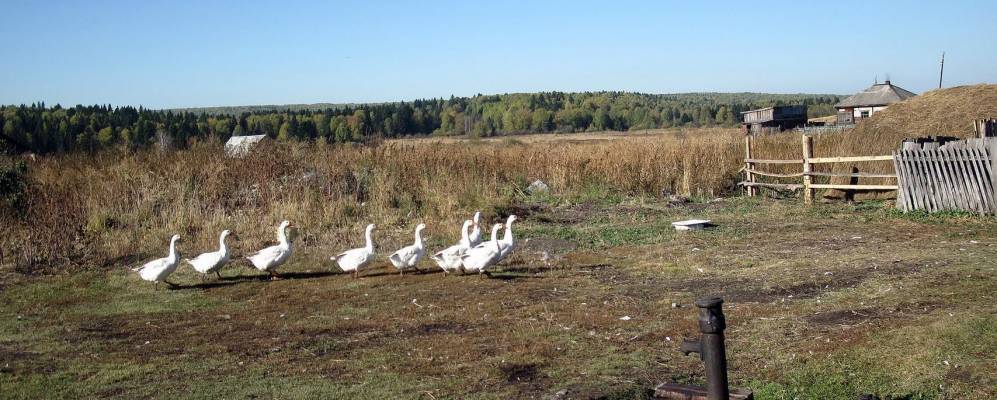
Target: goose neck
{"x":370,"y":240}
{"x":173,"y":249}
{"x":282,"y":235}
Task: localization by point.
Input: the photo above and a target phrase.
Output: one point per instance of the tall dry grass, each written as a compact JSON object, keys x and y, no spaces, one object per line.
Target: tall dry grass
{"x":114,"y":209}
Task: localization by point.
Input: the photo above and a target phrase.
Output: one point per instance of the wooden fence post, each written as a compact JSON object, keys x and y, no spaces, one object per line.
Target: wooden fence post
{"x":991,"y":147}
{"x":748,"y":176}
{"x":808,"y":153}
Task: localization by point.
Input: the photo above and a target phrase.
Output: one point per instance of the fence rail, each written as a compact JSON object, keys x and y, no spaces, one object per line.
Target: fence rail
{"x":751,"y":172}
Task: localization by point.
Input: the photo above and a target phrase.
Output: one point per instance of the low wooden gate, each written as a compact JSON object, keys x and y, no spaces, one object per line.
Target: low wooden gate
{"x":957,"y":175}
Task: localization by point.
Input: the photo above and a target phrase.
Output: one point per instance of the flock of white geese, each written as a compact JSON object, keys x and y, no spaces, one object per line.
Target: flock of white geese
{"x":469,"y":255}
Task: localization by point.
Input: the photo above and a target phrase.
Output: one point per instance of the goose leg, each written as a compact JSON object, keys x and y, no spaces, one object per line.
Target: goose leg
{"x":356,"y":274}
{"x":218,"y":274}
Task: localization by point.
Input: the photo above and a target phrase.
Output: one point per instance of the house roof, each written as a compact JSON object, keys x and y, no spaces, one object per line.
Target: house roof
{"x":880,"y":94}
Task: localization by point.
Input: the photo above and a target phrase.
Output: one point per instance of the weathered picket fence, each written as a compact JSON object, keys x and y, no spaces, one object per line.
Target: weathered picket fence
{"x":954,"y":175}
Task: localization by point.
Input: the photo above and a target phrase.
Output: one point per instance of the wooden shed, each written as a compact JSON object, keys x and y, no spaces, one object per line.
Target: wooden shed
{"x":773,"y":119}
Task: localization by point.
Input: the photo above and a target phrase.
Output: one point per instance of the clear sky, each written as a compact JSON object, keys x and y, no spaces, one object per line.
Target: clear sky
{"x":185,"y":54}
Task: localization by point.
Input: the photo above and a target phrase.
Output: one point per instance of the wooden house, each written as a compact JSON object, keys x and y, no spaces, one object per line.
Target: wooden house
{"x":773,"y":119}
{"x":870,"y":101}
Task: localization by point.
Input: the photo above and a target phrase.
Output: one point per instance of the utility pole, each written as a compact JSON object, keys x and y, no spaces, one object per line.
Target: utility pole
{"x":941,"y":71}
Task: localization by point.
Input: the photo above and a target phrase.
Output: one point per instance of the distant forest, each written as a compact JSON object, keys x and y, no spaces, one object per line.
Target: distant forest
{"x":42,"y":129}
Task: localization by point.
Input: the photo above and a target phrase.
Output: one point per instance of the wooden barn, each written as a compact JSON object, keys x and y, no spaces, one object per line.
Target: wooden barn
{"x":870,"y":101}
{"x":773,"y":119}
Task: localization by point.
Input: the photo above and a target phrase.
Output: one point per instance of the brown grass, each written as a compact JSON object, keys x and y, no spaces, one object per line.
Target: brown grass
{"x":119,"y":207}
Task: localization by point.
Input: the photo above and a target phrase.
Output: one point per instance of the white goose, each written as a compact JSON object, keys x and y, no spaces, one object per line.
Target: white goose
{"x":508,"y":243}
{"x":475,"y":236}
{"x":354,"y":260}
{"x":157,"y":270}
{"x":408,"y":257}
{"x":449,"y":258}
{"x":214,"y":261}
{"x":268,"y":259}
{"x":484,"y":255}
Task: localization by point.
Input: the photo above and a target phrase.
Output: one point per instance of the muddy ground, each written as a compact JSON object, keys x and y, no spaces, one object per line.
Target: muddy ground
{"x":833,"y":301}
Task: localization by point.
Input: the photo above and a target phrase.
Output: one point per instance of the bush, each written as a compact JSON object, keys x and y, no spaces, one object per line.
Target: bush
{"x":13,"y":186}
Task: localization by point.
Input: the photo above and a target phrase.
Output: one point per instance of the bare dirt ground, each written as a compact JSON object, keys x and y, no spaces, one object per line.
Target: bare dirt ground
{"x":832,"y":301}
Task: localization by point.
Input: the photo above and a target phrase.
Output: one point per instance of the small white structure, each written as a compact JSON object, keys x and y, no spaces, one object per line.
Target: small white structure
{"x":239,"y":146}
{"x":691,"y":224}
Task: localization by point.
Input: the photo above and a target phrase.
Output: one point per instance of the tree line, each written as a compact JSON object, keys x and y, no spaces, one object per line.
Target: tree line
{"x":39,"y":128}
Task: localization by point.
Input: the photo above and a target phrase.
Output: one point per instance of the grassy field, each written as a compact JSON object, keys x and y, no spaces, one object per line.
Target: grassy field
{"x":828,"y":302}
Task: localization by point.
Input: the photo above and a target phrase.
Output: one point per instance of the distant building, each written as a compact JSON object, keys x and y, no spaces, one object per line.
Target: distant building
{"x":773,"y":119}
{"x":870,"y":101}
{"x":238,"y":146}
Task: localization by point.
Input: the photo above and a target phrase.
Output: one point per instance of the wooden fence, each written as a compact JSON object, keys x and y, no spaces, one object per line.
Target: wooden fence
{"x":957,"y":175}
{"x":807,"y":161}
{"x":985,"y":127}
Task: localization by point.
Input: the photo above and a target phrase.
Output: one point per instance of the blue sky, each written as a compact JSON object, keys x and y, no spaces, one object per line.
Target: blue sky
{"x":185,"y":54}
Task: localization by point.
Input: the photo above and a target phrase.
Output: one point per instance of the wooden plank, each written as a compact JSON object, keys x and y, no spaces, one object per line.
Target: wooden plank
{"x":905,"y":179}
{"x":917,"y":194}
{"x":828,"y":160}
{"x":979,"y":181}
{"x":962,"y":183}
{"x":988,"y":178}
{"x":774,"y":175}
{"x":983,"y":178}
{"x":854,"y":187}
{"x":901,"y":183}
{"x":946,"y":179}
{"x":922,"y":176}
{"x":787,"y":186}
{"x":992,"y":154}
{"x":748,"y":166}
{"x":763,"y":161}
{"x":940,"y":185}
{"x":958,"y":183}
{"x":853,"y":174}
{"x":973,"y":180}
{"x":808,"y":153}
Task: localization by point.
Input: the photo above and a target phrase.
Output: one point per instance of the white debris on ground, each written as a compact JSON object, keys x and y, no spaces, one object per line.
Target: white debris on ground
{"x":691,"y":224}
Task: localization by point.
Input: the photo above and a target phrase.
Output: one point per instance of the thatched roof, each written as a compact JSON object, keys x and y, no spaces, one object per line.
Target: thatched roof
{"x":880,"y":94}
